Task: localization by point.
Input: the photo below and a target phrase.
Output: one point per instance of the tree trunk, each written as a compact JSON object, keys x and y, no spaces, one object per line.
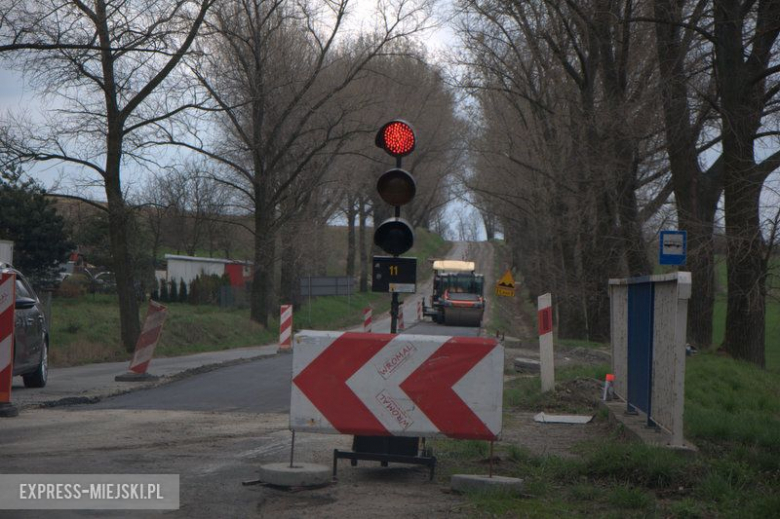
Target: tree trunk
{"x":265,"y":249}
{"x":695,"y":193}
{"x":130,"y":327}
{"x":351,"y":213}
{"x":742,"y":86}
{"x":634,"y":246}
{"x":745,"y":315}
{"x":288,"y":288}
{"x":489,"y":221}
{"x":364,"y":259}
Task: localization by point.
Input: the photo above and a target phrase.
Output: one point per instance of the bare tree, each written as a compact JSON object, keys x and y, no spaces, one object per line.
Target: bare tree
{"x":276,"y":72}
{"x":105,"y":61}
{"x":745,"y":37}
{"x":567,"y":130}
{"x":680,"y":50}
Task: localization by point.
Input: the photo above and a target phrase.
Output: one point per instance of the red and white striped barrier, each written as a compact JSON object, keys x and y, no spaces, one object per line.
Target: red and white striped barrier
{"x":285,"y":328}
{"x":7,"y":308}
{"x":401,"y":326}
{"x":384,"y":384}
{"x":419,"y":311}
{"x":367,"y":314}
{"x":546,"y":357}
{"x":150,"y":334}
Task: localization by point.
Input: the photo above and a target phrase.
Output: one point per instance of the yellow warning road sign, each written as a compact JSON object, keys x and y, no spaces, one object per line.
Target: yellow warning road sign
{"x":506,"y":285}
{"x":503,"y":291}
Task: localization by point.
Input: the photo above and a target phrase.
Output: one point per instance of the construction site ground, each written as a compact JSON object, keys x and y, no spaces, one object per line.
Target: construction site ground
{"x":215,"y":451}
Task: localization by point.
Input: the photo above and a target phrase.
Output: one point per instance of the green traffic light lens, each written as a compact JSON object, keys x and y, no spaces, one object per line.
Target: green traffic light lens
{"x":395,"y":236}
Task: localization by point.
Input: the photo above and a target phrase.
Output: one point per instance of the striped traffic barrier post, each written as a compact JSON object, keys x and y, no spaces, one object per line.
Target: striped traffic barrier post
{"x":419,"y":311}
{"x":7,"y":307}
{"x":401,"y":326}
{"x":285,"y":329}
{"x":546,"y":357}
{"x":147,"y":342}
{"x":367,"y":313}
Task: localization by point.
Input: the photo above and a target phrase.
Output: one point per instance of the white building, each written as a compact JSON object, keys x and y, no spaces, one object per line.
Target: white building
{"x":190,"y":267}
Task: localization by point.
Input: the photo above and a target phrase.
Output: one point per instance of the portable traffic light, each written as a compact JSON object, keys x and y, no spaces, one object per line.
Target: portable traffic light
{"x":396,"y":187}
{"x":396,"y":138}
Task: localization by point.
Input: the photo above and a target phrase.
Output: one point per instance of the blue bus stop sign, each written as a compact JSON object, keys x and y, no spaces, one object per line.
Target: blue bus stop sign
{"x":672,"y":247}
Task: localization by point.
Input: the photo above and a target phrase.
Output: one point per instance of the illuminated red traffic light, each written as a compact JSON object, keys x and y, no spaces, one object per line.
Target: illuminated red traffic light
{"x":396,"y":138}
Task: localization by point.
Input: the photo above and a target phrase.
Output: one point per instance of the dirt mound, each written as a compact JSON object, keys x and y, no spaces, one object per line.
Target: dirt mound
{"x":589,"y":356}
{"x":580,"y":393}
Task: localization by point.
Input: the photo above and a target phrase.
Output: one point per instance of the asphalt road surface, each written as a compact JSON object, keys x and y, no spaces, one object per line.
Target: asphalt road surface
{"x":260,"y":386}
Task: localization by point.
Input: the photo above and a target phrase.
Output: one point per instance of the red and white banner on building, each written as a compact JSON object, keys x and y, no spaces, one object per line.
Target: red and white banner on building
{"x":150,"y":334}
{"x":7,"y":308}
{"x":285,"y":328}
{"x":367,"y":313}
{"x":383,"y":384}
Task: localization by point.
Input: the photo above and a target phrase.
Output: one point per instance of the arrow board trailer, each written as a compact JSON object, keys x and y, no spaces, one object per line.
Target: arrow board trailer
{"x":376,"y":384}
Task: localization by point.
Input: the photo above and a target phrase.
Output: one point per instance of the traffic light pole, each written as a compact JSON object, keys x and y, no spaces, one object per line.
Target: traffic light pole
{"x":394,"y":303}
{"x":395,"y":236}
{"x":394,"y":313}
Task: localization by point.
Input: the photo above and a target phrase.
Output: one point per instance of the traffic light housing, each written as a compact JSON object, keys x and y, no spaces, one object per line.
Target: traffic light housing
{"x":396,"y":186}
{"x":396,"y":138}
{"x":394,"y":236}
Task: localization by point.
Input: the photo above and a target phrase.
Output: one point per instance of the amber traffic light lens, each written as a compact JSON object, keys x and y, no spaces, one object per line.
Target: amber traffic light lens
{"x":396,"y":187}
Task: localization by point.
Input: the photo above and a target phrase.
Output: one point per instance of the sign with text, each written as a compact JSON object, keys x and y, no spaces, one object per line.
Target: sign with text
{"x":382,"y":384}
{"x":506,"y":285}
{"x":391,"y":274}
{"x":672,"y":247}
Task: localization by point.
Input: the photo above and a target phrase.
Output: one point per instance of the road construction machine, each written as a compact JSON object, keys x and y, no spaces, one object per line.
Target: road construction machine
{"x":457,"y":298}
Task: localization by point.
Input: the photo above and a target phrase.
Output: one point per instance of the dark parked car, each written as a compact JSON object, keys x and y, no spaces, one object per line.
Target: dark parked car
{"x":31,"y":333}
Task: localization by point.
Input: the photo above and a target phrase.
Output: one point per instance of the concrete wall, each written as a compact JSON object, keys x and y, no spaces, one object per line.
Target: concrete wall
{"x":670,"y":318}
{"x":618,"y":295}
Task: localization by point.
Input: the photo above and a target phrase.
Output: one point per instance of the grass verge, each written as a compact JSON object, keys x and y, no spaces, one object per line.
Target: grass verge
{"x":732,"y":415}
{"x":86,"y":329}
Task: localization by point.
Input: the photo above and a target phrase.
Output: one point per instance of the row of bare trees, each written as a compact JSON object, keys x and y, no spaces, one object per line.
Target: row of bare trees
{"x":266,"y":108}
{"x":598,"y":115}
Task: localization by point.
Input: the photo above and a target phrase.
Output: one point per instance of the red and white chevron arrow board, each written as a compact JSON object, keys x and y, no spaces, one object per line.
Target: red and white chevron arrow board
{"x":382,"y":384}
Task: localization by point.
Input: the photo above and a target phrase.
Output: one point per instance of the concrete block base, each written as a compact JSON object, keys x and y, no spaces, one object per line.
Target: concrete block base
{"x":135,"y":377}
{"x":636,"y":426}
{"x":299,"y":475}
{"x":474,"y":483}
{"x":8,"y":411}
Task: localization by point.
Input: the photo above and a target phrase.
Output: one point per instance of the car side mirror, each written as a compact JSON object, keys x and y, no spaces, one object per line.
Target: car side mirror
{"x":25,"y":303}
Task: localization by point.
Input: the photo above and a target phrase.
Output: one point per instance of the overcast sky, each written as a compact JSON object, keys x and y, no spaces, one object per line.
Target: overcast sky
{"x":16,"y":96}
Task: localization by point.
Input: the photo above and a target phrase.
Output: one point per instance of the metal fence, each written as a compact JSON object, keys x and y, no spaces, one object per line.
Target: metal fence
{"x":313,"y":286}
